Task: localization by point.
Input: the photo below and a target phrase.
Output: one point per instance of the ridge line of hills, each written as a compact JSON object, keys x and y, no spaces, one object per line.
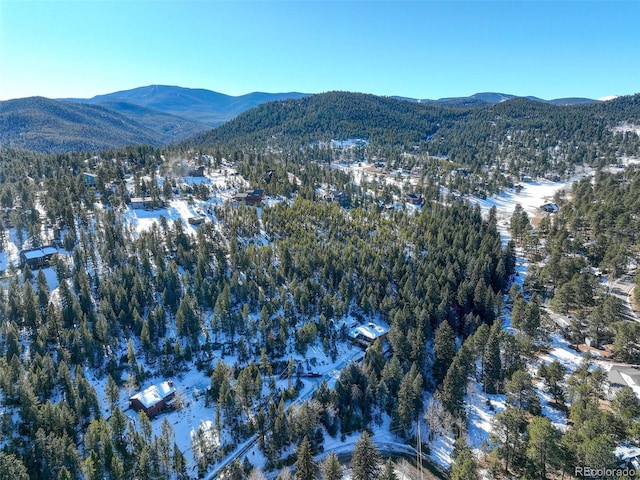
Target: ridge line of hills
{"x":161,"y":115}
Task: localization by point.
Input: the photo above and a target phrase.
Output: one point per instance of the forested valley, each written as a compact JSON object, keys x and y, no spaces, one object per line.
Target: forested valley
{"x":260,"y":300}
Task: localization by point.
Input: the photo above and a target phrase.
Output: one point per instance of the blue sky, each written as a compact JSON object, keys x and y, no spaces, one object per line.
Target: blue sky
{"x":419,"y":49}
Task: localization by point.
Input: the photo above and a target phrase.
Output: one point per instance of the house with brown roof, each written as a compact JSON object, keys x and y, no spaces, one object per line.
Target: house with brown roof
{"x":253,"y":196}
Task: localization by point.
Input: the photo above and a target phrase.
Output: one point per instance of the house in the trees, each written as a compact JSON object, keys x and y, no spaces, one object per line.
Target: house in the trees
{"x":154,"y":399}
{"x":563,"y":325}
{"x":415,"y":199}
{"x":550,"y":208}
{"x":37,"y":257}
{"x":253,"y":196}
{"x":89,"y":179}
{"x":628,"y":455}
{"x":146,"y":203}
{"x":197,"y":171}
{"x":368,"y":333}
{"x":195,"y":221}
{"x":339,"y":197}
{"x":624,"y":376}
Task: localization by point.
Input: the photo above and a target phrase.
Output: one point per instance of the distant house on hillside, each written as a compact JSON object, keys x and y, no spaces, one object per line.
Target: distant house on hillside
{"x":145,"y":203}
{"x":368,"y":333}
{"x":37,"y":257}
{"x":550,"y":208}
{"x":197,"y":171}
{"x":628,"y":454}
{"x":415,"y":199}
{"x":340,"y":197}
{"x":153,"y":399}
{"x":89,"y":179}
{"x":563,"y":325}
{"x":195,"y":221}
{"x":249,"y":196}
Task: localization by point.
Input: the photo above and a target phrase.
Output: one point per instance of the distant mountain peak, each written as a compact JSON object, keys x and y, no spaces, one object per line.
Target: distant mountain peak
{"x":492,"y":97}
{"x":195,"y":104}
{"x":484,"y":98}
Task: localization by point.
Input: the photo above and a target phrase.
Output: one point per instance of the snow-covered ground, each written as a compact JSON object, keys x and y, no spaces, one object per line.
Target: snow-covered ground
{"x":368,"y":172}
{"x":142,"y":219}
{"x":531,"y":196}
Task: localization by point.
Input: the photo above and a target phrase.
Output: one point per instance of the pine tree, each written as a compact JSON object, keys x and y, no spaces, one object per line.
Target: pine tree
{"x":116,"y":469}
{"x":453,"y":388}
{"x":366,"y":459}
{"x":464,"y":466}
{"x":388,"y":471}
{"x":179,"y":462}
{"x":11,"y":467}
{"x":626,"y":404}
{"x":510,"y":258}
{"x":521,"y":393}
{"x":444,"y":347}
{"x":64,"y":474}
{"x":306,"y":467}
{"x":131,"y":355}
{"x":508,"y":433}
{"x":113,"y":392}
{"x":331,"y":467}
{"x":542,"y":449}
{"x":553,"y":374}
{"x":42,"y":291}
{"x":492,"y":362}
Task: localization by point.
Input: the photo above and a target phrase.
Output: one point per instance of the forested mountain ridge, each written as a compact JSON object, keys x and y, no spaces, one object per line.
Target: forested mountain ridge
{"x":214,"y":108}
{"x":332,"y":115}
{"x":529,"y":134}
{"x":518,"y":131}
{"x":49,"y":126}
{"x":195,"y":104}
{"x":484,"y":98}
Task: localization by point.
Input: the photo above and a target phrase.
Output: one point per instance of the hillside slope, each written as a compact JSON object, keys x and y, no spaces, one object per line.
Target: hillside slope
{"x":519,"y":127}
{"x":49,"y":126}
{"x":326,"y":116}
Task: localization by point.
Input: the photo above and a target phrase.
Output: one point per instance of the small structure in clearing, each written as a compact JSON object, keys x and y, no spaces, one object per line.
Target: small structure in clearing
{"x":550,"y":208}
{"x":37,"y":257}
{"x":146,"y":203}
{"x":368,"y":333}
{"x":154,"y":399}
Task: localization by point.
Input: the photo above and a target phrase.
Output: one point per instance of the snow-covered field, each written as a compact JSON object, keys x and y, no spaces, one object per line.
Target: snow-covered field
{"x":531,"y":196}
